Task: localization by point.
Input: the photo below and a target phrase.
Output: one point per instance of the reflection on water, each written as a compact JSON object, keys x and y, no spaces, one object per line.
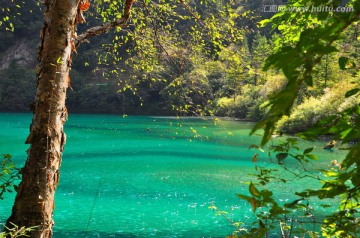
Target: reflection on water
{"x":150,"y":177}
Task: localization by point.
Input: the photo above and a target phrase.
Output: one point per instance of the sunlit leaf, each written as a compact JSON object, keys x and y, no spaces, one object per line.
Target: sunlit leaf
{"x":331,"y":173}
{"x":313,"y":157}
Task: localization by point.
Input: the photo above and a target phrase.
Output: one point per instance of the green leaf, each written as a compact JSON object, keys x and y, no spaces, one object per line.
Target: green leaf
{"x":352,"y":157}
{"x":355,"y":180}
{"x":313,"y":157}
{"x":281,"y":156}
{"x":302,"y":194}
{"x":293,"y":204}
{"x":322,"y":15}
{"x":59,"y":61}
{"x":352,"y":92}
{"x":308,"y":150}
{"x":309,"y":80}
{"x":331,"y":173}
{"x":244,"y":197}
{"x":266,"y":193}
{"x":7,"y":156}
{"x":264,"y":22}
{"x":253,"y":190}
{"x":343,"y":61}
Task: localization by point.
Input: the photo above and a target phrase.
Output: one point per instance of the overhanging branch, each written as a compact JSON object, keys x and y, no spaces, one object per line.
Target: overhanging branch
{"x":98,"y":30}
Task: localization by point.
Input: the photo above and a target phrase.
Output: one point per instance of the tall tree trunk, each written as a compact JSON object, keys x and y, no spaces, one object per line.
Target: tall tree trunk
{"x":34,"y":202}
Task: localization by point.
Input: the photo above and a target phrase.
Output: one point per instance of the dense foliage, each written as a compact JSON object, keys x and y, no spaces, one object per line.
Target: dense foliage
{"x":149,"y":67}
{"x":311,"y":39}
{"x":9,"y":174}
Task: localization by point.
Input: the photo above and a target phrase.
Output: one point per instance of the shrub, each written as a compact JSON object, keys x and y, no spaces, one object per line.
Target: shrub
{"x":243,"y":106}
{"x":313,"y":109}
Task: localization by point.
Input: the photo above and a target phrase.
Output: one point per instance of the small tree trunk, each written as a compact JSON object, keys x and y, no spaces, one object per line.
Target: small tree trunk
{"x":326,"y":75}
{"x":34,"y":202}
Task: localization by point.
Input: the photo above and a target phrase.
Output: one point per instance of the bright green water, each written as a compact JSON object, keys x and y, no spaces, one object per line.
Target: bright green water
{"x":147,"y":176}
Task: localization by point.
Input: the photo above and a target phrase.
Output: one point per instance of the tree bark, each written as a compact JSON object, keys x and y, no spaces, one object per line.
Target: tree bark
{"x":34,"y":202}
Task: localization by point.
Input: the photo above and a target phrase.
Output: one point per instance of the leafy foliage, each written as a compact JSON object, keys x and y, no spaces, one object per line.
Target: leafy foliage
{"x":297,"y":217}
{"x":16,"y":232}
{"x":305,"y":42}
{"x":247,"y":105}
{"x":308,"y":39}
{"x":6,"y":10}
{"x":15,"y":14}
{"x":313,"y":109}
{"x":170,"y":62}
{"x":8,"y":175}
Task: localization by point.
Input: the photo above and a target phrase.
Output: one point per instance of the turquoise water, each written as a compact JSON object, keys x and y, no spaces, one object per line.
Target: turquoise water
{"x":148,"y":176}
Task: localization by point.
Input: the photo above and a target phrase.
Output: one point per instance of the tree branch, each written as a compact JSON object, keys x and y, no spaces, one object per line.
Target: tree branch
{"x":97,"y":30}
{"x":122,"y":22}
{"x":193,"y":14}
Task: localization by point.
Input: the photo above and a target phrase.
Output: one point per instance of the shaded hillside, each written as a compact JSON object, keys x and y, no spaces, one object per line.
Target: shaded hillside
{"x":92,"y":91}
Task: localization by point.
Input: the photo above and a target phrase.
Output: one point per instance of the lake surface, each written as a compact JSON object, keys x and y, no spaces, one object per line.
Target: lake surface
{"x":149,"y":176}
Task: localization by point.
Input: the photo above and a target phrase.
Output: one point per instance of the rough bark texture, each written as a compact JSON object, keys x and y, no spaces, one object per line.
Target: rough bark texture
{"x":34,"y":202}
